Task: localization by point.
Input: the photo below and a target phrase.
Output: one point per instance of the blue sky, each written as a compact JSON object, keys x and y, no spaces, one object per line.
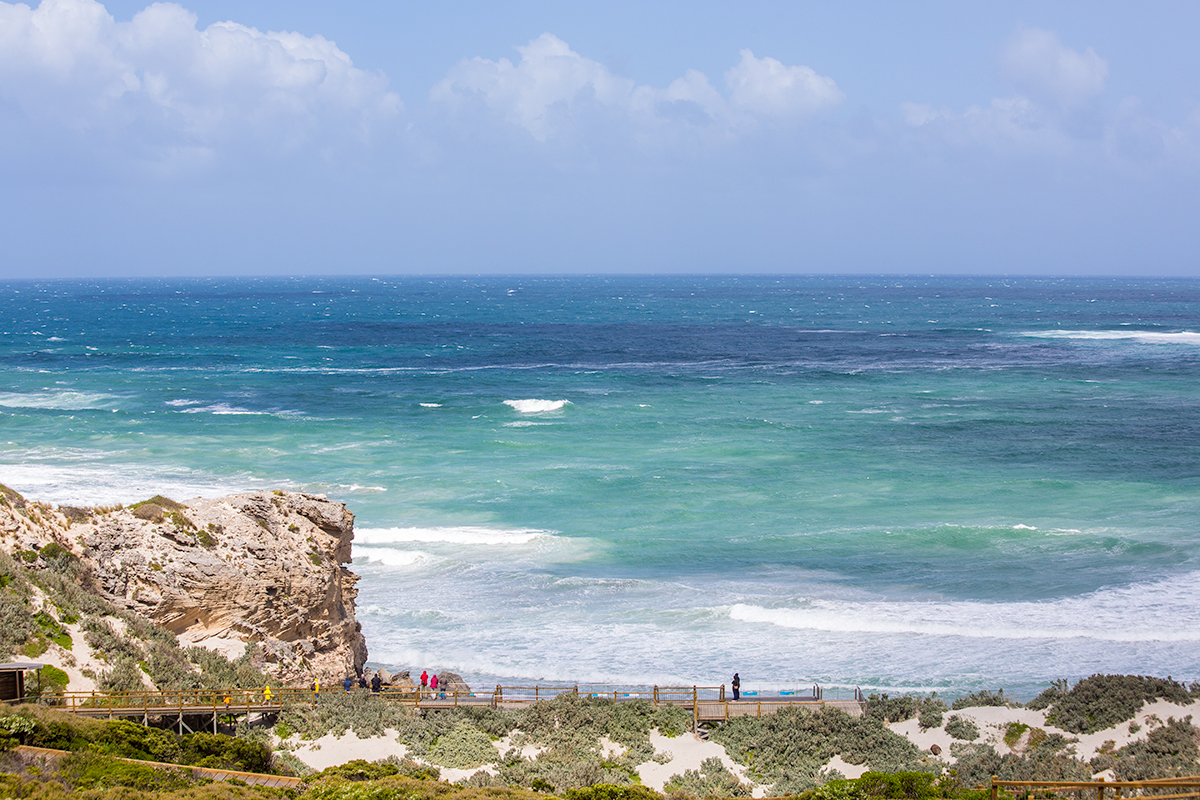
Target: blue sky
{"x":297,"y":137}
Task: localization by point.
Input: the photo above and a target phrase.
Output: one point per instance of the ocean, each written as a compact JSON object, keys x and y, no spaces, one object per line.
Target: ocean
{"x":887,"y":483}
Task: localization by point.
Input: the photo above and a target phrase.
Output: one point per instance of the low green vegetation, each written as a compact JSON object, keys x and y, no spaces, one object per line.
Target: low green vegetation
{"x":1102,"y":701}
{"x":960,"y":728}
{"x":42,"y":727}
{"x":984,"y":698}
{"x":788,"y":749}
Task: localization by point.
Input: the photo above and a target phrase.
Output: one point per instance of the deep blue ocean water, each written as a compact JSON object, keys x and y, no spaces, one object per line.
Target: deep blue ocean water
{"x":901,"y":483}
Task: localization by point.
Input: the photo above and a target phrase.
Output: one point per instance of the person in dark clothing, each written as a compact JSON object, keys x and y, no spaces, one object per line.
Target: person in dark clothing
{"x":362,"y":680}
{"x":736,"y":683}
{"x":376,"y":683}
{"x":347,"y":684}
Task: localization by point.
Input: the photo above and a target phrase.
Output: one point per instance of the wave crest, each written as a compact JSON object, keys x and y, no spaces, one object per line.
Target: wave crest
{"x":1161,"y":611}
{"x":451,"y":535}
{"x":536,"y":406}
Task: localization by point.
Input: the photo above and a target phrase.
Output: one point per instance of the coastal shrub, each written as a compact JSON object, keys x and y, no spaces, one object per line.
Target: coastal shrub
{"x":50,"y":678}
{"x":891,"y":709}
{"x":573,"y":721}
{"x":87,"y":769}
{"x":711,"y":780}
{"x":17,"y":625}
{"x":126,"y":739}
{"x":1102,"y":701}
{"x":218,"y":672}
{"x":224,"y":752}
{"x":608,"y":791}
{"x":125,"y":676}
{"x":59,"y":558}
{"x":464,"y":747}
{"x":1051,"y":761}
{"x":1167,"y":752}
{"x":359,"y":770}
{"x":960,"y":728}
{"x":794,"y":744}
{"x":103,"y":638}
{"x":363,"y":713}
{"x":559,"y":770}
{"x":928,"y":710}
{"x":52,"y":630}
{"x":1056,"y":690}
{"x":932,"y":714}
{"x":983,"y":698}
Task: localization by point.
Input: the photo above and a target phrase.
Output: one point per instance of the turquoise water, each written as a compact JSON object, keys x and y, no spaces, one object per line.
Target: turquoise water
{"x":916,"y":483}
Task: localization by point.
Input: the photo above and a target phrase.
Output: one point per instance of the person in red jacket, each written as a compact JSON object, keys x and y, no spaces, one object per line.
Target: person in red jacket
{"x":424,"y":681}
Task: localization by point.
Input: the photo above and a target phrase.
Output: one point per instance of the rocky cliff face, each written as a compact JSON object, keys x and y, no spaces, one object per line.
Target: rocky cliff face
{"x":263,"y":568}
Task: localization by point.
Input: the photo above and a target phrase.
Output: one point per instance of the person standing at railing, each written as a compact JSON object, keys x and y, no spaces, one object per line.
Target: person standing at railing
{"x":376,"y":683}
{"x":316,"y":690}
{"x":433,"y":684}
{"x":736,"y":685}
{"x":347,"y":684}
{"x":424,"y":683}
{"x":267,"y":694}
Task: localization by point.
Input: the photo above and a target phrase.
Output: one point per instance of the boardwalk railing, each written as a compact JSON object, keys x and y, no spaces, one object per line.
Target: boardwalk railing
{"x":1159,"y":789}
{"x":707,"y":703}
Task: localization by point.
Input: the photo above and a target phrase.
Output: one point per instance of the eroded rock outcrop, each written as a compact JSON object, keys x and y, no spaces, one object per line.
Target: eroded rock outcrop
{"x":263,"y":568}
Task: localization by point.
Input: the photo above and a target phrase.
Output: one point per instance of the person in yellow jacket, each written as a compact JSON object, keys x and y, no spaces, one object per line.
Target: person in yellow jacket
{"x":267,"y":694}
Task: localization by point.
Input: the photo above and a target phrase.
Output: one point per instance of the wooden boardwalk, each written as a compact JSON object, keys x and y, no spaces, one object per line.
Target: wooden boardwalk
{"x":207,"y":707}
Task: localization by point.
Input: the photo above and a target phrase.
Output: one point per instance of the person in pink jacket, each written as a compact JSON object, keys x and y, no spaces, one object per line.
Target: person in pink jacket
{"x":433,"y":683}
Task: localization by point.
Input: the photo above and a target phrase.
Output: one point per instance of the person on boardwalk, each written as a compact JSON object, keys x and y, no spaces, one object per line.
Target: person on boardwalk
{"x":267,"y":694}
{"x":316,"y":690}
{"x":347,"y":684}
{"x":433,"y":684}
{"x":736,"y":684}
{"x":424,"y":681}
{"x":376,"y":682}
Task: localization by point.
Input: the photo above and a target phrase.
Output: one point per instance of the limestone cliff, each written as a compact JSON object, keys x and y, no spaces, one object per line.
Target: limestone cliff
{"x":264,"y":568}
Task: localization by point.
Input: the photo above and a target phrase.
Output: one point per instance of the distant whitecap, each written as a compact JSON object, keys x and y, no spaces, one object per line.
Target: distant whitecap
{"x":536,"y":406}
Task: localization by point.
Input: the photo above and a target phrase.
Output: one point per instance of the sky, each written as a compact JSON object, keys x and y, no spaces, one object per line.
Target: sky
{"x":294,"y":137}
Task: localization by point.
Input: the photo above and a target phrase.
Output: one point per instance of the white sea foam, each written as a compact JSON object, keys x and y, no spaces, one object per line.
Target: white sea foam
{"x":525,"y":424}
{"x":536,"y":406}
{"x":452,"y":535}
{"x":391,"y":557}
{"x":1163,"y":611}
{"x":182,"y":403}
{"x":1149,"y":337}
{"x":109,"y":480}
{"x":57,"y":401}
{"x":224,"y":409}
{"x":431,"y":405}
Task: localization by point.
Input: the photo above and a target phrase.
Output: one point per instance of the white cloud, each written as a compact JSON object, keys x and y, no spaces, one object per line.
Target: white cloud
{"x":1054,"y":115}
{"x":550,"y":74}
{"x":551,"y":84}
{"x":765,"y":86}
{"x":1040,"y":64}
{"x":162,"y":83}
